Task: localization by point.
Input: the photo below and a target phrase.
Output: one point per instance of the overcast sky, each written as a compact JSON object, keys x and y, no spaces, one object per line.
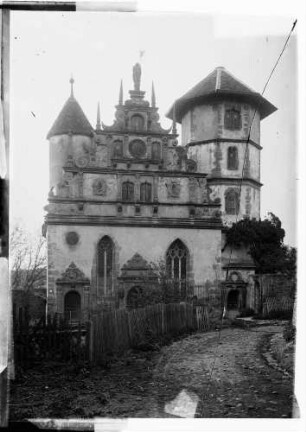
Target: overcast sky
{"x":179,"y":50}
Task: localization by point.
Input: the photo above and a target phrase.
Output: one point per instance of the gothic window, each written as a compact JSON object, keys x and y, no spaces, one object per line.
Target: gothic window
{"x":232,"y":119}
{"x":232,"y":202}
{"x":156,"y":151}
{"x":137,"y":148}
{"x":105,"y":263}
{"x":146,"y":192}
{"x":232,"y":158}
{"x":176,"y":261}
{"x":127,"y":191}
{"x":118,"y":149}
{"x":137,"y":122}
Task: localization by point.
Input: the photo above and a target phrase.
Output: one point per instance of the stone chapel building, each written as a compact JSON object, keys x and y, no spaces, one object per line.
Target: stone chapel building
{"x":125,"y":195}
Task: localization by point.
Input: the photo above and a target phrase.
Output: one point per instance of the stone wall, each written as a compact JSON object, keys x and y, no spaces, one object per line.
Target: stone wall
{"x":204,"y":248}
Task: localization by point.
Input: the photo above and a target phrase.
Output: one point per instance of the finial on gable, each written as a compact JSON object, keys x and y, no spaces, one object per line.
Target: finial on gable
{"x":121,"y":94}
{"x":71,"y":83}
{"x":153,"y":98}
{"x":98,"y":125}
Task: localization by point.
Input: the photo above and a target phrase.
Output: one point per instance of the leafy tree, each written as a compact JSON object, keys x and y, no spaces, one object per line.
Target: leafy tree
{"x":265,"y":242}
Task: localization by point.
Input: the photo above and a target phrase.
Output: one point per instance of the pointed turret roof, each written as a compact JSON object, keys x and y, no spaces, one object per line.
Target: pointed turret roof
{"x":71,"y":119}
{"x":220,"y":84}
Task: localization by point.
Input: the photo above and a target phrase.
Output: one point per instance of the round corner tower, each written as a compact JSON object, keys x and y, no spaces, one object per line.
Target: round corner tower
{"x":220,"y":120}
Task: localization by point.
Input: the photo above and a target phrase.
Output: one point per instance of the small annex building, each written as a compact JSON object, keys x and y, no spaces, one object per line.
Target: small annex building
{"x":126,"y":195}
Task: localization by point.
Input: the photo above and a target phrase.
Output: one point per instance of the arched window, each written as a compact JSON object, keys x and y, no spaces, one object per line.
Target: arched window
{"x":146,"y":192}
{"x":156,"y":151}
{"x":176,"y":261}
{"x":118,"y":149}
{"x":232,"y":158}
{"x":137,"y":122}
{"x":72,"y":306}
{"x":232,"y":202}
{"x":232,"y":119}
{"x":105,"y":263}
{"x":127,"y":191}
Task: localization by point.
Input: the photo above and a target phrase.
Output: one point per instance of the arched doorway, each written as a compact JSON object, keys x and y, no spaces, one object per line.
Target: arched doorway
{"x":233,"y":300}
{"x":72,"y":306}
{"x":134,"y":298}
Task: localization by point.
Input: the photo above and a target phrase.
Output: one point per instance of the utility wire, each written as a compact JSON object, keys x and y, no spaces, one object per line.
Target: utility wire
{"x":242,"y":175}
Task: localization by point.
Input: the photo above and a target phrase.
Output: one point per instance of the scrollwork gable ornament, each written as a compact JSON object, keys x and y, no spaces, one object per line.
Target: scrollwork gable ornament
{"x":73,"y":275}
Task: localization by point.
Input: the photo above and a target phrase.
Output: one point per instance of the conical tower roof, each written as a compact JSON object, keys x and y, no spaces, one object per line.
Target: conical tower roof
{"x":71,"y":119}
{"x":220,"y":84}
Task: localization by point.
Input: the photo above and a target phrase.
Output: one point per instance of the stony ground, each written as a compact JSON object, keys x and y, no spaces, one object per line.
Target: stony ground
{"x":236,"y":373}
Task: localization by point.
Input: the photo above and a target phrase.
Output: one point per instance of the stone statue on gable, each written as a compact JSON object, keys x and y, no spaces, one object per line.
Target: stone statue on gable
{"x":136,"y":76}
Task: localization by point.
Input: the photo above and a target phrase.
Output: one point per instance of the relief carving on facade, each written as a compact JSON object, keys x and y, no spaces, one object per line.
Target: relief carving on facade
{"x":193,"y":189}
{"x":173,"y":189}
{"x":99,"y":187}
{"x":81,"y":161}
{"x":204,"y":190}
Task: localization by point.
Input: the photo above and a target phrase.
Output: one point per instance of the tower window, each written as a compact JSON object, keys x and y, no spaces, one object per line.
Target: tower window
{"x":105,"y":263}
{"x":232,"y":119}
{"x":156,"y":151}
{"x":176,"y":261}
{"x":146,"y":192}
{"x":232,"y":158}
{"x":232,"y":202}
{"x":127,"y":191}
{"x":118,"y":149}
{"x":137,"y":122}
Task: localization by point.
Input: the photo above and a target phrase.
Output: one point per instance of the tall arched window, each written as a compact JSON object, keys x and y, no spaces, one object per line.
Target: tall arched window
{"x":156,"y":151}
{"x":118,"y":149}
{"x":137,"y":122}
{"x":105,"y":263}
{"x":232,"y":119}
{"x":232,"y":202}
{"x":232,"y":158}
{"x":176,"y":261}
{"x":146,"y":192}
{"x":127,"y":191}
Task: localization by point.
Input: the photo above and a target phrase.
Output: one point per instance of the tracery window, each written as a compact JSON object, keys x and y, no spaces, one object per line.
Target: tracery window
{"x":118,"y":149}
{"x":127,"y":191}
{"x":232,"y":119}
{"x":156,"y":151}
{"x":232,"y":202}
{"x":232,"y":158}
{"x":146,"y":192}
{"x":176,"y":261}
{"x":105,"y":263}
{"x":137,"y":122}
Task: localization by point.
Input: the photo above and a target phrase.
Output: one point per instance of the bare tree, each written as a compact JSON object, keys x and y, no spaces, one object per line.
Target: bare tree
{"x":27,"y":259}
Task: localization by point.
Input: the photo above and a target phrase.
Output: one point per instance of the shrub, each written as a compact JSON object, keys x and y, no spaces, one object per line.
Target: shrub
{"x":289,"y":332}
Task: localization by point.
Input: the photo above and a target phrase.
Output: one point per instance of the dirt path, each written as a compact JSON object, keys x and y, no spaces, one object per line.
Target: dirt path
{"x":199,"y":376}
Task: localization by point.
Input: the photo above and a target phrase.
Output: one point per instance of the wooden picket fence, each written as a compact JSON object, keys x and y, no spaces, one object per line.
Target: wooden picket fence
{"x":107,"y":333}
{"x":116,"y":331}
{"x":53,"y":340}
{"x":274,"y":307}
